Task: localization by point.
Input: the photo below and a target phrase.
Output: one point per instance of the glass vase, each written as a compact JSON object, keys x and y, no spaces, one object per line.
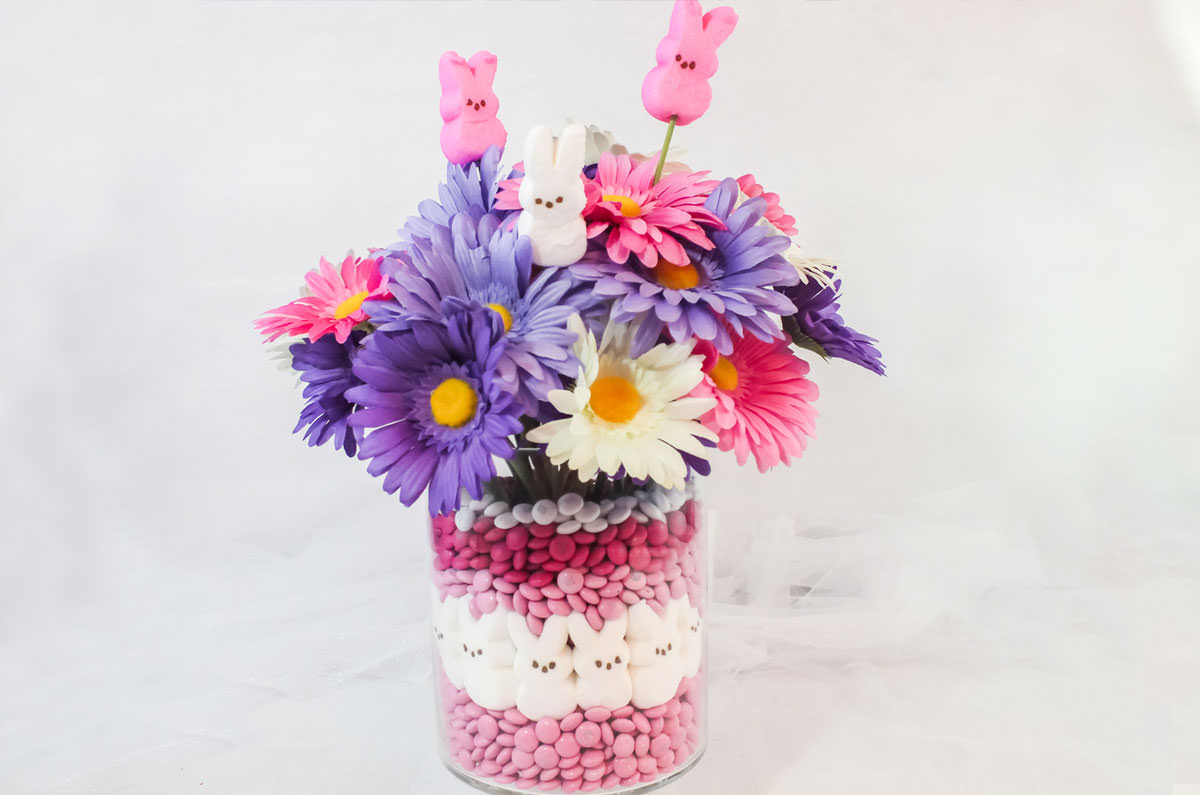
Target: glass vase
{"x":570,"y":645}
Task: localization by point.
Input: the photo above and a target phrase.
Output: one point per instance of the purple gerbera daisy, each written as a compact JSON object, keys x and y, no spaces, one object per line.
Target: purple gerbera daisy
{"x":469,"y":189}
{"x":734,"y":281}
{"x":476,"y":263}
{"x":816,"y":325}
{"x":439,"y":413}
{"x":325,"y":367}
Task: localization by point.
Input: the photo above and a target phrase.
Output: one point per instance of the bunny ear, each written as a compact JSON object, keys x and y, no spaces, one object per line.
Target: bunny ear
{"x":483,"y":64}
{"x":615,"y":627}
{"x":571,"y":146}
{"x":685,"y":16}
{"x":718,"y":24}
{"x":539,"y":152}
{"x":581,"y":631}
{"x":518,"y":631}
{"x":641,"y":618}
{"x":464,"y":613}
{"x":450,"y":69}
{"x":554,"y":631}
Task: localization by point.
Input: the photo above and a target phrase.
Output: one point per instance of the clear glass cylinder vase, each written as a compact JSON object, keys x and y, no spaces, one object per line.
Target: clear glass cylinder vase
{"x":570,"y":640}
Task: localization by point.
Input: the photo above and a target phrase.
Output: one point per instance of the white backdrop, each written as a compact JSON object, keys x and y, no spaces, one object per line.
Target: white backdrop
{"x":1000,"y":538}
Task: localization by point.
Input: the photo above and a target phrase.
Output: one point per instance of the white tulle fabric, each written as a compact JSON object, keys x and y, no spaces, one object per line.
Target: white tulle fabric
{"x":855,"y":654}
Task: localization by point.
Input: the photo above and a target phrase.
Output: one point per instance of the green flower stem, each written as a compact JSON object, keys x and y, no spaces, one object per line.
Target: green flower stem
{"x":519,"y":465}
{"x":662,"y":157}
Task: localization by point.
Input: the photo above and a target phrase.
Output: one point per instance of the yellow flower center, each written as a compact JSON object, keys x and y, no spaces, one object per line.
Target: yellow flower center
{"x":615,"y":399}
{"x":505,"y":315}
{"x":453,"y":403}
{"x":676,"y":277}
{"x":724,"y":374}
{"x":351,"y":305}
{"x":629,"y":208}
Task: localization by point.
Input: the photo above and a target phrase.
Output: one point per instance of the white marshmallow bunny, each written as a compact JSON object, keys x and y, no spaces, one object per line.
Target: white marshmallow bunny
{"x":552,"y":196}
{"x":691,"y":642}
{"x":487,"y":658}
{"x":601,"y":663}
{"x":655,"y":668}
{"x":448,"y":637}
{"x":545,"y":682}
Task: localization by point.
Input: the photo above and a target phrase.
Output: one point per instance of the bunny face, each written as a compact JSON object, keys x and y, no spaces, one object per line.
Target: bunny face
{"x":447,"y":637}
{"x":467,"y":87}
{"x":469,"y":106}
{"x":601,"y":663}
{"x":487,"y":658}
{"x":541,"y":657}
{"x":552,"y":190}
{"x":654,"y":647}
{"x":552,"y":196}
{"x":686,"y":58}
{"x":690,"y":639}
{"x":545,"y":681}
{"x":691,"y":43}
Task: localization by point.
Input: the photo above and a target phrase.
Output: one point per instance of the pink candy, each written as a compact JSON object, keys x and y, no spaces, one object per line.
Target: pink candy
{"x":537,"y":572}
{"x":582,"y":751}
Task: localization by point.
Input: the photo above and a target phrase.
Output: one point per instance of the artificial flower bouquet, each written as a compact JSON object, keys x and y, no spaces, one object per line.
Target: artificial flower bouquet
{"x":603,"y":323}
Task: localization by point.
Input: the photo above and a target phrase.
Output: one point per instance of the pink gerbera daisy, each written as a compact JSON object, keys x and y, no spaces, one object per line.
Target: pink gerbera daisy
{"x":646,"y":218}
{"x":774,"y":214}
{"x":334,"y":303}
{"x":763,"y":399}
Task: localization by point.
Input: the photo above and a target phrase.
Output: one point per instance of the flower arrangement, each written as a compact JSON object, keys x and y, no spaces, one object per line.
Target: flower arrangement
{"x":587,"y":316}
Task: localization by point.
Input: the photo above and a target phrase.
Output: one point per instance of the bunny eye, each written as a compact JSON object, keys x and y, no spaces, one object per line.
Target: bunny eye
{"x":668,"y":647}
{"x":465,"y":647}
{"x":534,"y":664}
{"x":469,"y":102}
{"x":537,"y":201}
{"x":559,"y":200}
{"x":617,"y":660}
{"x":678,"y":57}
{"x":483,"y":103}
{"x":551,"y":665}
{"x":599,"y":664}
{"x":481,"y":652}
{"x":692,"y":65}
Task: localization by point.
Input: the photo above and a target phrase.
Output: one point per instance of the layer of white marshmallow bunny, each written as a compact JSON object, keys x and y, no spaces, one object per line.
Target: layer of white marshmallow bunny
{"x":639,"y":658}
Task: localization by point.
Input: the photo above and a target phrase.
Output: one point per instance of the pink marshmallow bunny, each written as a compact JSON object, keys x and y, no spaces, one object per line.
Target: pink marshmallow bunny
{"x":687,"y":58}
{"x":469,"y":106}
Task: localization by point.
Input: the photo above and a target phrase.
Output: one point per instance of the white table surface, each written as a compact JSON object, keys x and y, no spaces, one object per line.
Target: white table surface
{"x":982,"y":578}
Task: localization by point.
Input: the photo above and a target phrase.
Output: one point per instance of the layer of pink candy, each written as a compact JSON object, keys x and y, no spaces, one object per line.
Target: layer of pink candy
{"x":581,"y":752}
{"x":536,"y":572}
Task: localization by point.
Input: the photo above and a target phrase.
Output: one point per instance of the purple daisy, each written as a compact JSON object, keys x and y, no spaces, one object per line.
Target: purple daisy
{"x":818,"y":326}
{"x":734,"y":281}
{"x":469,"y":189}
{"x":437,"y":409}
{"x":325,"y":367}
{"x":476,"y":263}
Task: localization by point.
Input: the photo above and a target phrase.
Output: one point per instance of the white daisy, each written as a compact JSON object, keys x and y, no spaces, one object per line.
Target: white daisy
{"x":626,"y":412}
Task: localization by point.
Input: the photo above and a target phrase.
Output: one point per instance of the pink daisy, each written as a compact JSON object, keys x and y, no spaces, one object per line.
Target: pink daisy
{"x":774,"y":214}
{"x":334,"y":303}
{"x":647,"y":219}
{"x":763,"y":400}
